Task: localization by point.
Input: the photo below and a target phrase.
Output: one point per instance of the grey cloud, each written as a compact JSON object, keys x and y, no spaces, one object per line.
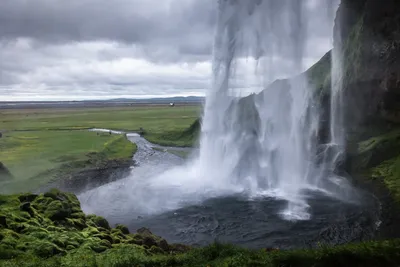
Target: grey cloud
{"x":186,"y":24}
{"x":86,"y":47}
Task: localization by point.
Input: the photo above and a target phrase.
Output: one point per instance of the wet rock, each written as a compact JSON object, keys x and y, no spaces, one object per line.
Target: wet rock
{"x":123,"y":229}
{"x":27,"y":197}
{"x":163,"y":245}
{"x":99,"y":222}
{"x":144,"y":231}
{"x":149,"y":241}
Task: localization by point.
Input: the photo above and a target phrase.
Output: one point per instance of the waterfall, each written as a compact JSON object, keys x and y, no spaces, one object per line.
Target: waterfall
{"x":265,"y":143}
{"x":337,"y":127}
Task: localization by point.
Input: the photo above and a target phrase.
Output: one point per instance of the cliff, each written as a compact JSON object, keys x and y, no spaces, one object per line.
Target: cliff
{"x":367,"y":32}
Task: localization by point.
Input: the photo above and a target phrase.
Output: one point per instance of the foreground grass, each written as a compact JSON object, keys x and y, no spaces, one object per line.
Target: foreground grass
{"x":35,"y":158}
{"x":51,"y":230}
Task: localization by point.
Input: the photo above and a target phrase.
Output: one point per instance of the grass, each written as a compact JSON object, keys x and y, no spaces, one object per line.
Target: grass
{"x":155,"y":120}
{"x":371,"y":254}
{"x":50,"y":229}
{"x":389,"y":171}
{"x":35,"y":158}
{"x":181,"y":138}
{"x":40,"y":145}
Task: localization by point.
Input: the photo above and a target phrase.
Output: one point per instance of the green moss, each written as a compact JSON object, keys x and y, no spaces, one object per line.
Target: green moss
{"x":98,"y":221}
{"x":57,"y":210}
{"x":374,"y":151}
{"x":122,"y":228}
{"x":389,"y":171}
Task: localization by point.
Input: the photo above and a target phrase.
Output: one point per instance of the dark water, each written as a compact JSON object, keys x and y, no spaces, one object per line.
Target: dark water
{"x":253,"y":223}
{"x":257,"y":223}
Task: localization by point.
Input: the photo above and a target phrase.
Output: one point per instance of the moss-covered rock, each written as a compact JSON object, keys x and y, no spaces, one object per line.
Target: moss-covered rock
{"x":53,"y":223}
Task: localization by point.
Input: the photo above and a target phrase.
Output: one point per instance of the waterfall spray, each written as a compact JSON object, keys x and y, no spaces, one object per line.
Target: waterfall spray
{"x":265,"y":143}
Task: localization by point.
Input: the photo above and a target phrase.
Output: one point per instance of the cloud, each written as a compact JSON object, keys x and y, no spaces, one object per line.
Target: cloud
{"x":76,"y":49}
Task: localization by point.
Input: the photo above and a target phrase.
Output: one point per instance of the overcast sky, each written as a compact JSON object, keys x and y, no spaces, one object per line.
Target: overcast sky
{"x":99,"y":49}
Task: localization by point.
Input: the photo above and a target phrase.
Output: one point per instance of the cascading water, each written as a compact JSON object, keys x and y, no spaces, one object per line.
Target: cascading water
{"x":264,"y":143}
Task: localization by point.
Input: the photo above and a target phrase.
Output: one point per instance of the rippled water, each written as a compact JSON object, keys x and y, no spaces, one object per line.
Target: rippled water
{"x":199,"y":218}
{"x":256,"y":223}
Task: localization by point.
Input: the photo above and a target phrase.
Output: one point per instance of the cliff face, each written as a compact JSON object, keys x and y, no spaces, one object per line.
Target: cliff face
{"x":368,"y":34}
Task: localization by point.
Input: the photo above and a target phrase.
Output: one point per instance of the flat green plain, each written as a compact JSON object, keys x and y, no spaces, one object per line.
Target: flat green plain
{"x":39,"y":145}
{"x":153,"y":119}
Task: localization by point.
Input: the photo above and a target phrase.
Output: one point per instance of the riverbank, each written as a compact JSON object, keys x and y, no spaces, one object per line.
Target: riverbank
{"x":37,"y":158}
{"x":51,"y":230}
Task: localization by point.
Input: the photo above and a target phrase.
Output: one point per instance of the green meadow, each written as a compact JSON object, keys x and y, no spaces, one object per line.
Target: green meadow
{"x":41,"y":145}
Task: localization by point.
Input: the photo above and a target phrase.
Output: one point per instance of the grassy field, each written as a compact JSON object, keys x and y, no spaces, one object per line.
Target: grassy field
{"x":39,"y":145}
{"x":155,"y":120}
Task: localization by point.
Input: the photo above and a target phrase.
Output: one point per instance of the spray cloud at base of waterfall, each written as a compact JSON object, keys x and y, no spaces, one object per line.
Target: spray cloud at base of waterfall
{"x":262,"y":145}
{"x":265,"y":143}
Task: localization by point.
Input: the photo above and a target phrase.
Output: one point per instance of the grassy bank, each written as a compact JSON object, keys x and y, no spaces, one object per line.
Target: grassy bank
{"x":35,"y":158}
{"x":51,"y":230}
{"x":187,"y":137}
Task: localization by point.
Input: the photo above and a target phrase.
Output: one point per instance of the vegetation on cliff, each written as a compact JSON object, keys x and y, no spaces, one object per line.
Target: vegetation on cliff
{"x":50,"y":229}
{"x":181,"y":138}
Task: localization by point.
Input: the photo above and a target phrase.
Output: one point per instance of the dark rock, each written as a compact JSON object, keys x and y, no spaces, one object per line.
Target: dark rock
{"x":100,"y":222}
{"x":163,"y":245}
{"x":367,"y":33}
{"x":3,"y":221}
{"x":26,"y":206}
{"x":149,"y":241}
{"x":123,"y":229}
{"x":144,"y":231}
{"x":135,"y":241}
{"x":27,"y":197}
{"x":58,"y":211}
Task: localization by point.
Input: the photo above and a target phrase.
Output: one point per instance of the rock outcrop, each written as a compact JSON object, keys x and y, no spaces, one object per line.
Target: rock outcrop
{"x":368,"y":34}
